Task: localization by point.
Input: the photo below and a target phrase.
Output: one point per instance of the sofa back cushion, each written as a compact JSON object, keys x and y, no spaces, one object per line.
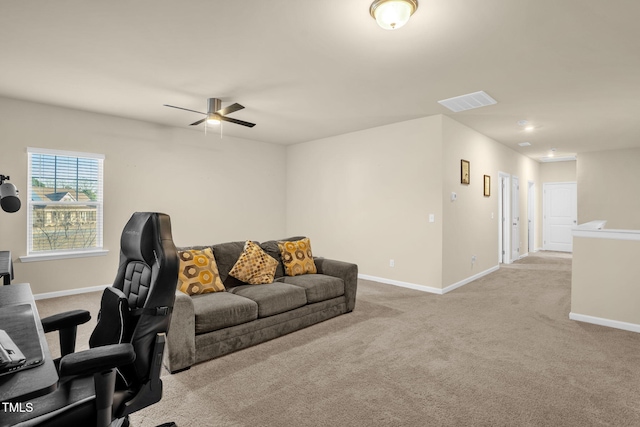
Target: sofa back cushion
{"x":226,"y":255}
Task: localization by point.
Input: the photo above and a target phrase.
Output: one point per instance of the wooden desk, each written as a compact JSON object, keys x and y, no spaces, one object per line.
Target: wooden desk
{"x":29,"y":383}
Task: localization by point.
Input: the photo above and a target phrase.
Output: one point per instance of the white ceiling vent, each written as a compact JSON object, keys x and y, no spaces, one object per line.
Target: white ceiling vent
{"x":524,"y":144}
{"x":558,"y":159}
{"x":468,"y":102}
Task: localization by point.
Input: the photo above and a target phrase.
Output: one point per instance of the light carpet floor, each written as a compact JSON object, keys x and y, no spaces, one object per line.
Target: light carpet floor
{"x":500,"y":351}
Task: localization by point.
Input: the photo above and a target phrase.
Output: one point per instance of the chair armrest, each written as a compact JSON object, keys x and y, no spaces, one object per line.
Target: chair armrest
{"x":180,"y":351}
{"x":97,"y":359}
{"x":346,"y":271}
{"x":65,"y":320}
{"x":67,"y":325}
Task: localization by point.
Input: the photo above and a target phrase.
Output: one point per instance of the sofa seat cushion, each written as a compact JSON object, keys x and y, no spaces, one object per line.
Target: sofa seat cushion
{"x":273,"y":298}
{"x":318,"y":287}
{"x":220,"y":310}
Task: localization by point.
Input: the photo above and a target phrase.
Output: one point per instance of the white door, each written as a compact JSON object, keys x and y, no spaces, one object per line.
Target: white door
{"x":531,"y":216}
{"x":560,"y":215}
{"x":515,"y":218}
{"x":504,"y":225}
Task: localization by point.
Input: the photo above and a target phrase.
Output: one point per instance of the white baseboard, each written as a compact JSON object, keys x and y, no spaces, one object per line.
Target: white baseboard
{"x":401,"y":284}
{"x":69,"y":292}
{"x":438,"y":291}
{"x":632,"y":327}
{"x":470,"y":279}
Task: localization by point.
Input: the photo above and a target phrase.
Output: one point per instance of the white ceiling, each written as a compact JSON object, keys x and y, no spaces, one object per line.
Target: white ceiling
{"x":307,"y":69}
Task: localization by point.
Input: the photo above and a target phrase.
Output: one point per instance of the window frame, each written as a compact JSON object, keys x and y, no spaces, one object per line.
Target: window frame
{"x":43,"y":255}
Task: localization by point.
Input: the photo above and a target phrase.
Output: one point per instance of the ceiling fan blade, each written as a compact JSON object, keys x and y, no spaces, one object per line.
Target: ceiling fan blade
{"x":230,"y":109}
{"x":236,"y":121}
{"x":198,"y":122}
{"x":186,"y":109}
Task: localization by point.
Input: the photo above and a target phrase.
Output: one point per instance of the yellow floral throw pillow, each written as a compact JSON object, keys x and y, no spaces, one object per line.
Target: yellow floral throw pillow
{"x":198,"y":272}
{"x":297,"y":257}
{"x":254,"y":266}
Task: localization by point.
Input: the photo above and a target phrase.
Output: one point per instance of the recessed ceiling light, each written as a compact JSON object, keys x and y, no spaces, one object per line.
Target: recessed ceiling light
{"x":529,"y":128}
{"x":468,"y":101}
{"x":524,"y":144}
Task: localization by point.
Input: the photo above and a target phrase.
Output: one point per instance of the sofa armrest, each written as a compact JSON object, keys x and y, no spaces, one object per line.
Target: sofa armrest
{"x":344,"y":270}
{"x":180,"y":351}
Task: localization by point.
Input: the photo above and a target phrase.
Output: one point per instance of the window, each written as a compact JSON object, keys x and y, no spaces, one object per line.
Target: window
{"x":65,"y":205}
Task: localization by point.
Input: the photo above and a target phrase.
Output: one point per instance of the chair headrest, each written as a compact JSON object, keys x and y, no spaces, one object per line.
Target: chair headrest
{"x":138,"y":241}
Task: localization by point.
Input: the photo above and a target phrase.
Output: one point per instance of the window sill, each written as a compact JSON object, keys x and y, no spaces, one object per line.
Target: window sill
{"x":63,"y":255}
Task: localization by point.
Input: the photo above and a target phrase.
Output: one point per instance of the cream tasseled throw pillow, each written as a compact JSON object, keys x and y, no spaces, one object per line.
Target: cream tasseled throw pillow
{"x":254,"y":266}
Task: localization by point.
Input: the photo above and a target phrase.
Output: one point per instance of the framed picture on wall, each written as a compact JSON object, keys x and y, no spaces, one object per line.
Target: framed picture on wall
{"x":464,"y":172}
{"x":487,"y":185}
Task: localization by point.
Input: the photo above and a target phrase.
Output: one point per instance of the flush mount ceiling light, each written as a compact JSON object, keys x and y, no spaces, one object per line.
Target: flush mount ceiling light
{"x":392,"y":14}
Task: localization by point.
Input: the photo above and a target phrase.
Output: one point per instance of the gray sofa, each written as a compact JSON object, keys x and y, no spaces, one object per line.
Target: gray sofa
{"x":211,"y":325}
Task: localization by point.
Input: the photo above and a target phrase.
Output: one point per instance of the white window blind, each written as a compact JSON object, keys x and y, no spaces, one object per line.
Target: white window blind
{"x":64,"y":195}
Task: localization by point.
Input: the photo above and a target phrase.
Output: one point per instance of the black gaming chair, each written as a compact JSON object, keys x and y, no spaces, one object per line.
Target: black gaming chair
{"x":120,"y":373}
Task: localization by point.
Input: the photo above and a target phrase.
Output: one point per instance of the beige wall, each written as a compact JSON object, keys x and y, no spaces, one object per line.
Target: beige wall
{"x":608,"y":188}
{"x":558,"y":172}
{"x":469,"y":228}
{"x":363,"y":197}
{"x":215,"y":190}
{"x":366,"y":197}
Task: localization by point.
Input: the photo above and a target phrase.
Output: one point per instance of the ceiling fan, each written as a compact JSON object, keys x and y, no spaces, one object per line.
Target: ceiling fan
{"x":215,"y":113}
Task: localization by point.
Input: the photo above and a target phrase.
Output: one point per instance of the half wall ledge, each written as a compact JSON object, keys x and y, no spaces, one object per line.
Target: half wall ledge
{"x":605,"y":276}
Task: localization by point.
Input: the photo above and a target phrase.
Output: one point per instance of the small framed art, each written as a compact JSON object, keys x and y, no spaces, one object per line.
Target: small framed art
{"x":464,"y":172}
{"x":487,"y":185}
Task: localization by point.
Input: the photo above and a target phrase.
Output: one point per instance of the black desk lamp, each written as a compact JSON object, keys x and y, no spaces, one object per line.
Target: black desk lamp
{"x":8,"y":195}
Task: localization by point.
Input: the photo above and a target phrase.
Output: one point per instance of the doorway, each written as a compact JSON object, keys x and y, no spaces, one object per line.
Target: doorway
{"x":515,"y":218}
{"x":560,"y":215}
{"x":531,"y":217}
{"x":504,"y":221}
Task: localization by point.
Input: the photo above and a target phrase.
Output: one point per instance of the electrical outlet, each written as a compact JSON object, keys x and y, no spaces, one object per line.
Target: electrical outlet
{"x":473,"y":259}
{"x":392,"y":263}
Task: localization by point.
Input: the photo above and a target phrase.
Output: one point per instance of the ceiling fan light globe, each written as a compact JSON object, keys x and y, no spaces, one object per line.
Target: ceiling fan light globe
{"x":392,"y":14}
{"x":213,"y":120}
